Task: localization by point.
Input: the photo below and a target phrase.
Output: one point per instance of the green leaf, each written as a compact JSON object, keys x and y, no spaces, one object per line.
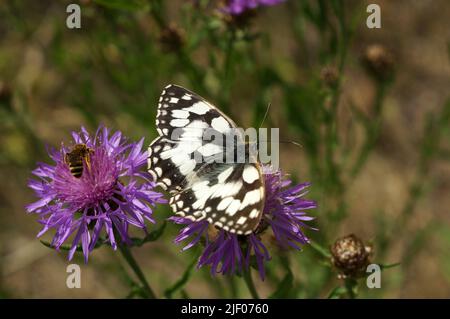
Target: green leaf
{"x":285,"y":287}
{"x":337,"y":292}
{"x":62,"y":247}
{"x":184,"y":294}
{"x":383,"y":267}
{"x":152,"y":236}
{"x":324,"y":252}
{"x":68,"y":247}
{"x":136,"y":291}
{"x":179,"y":284}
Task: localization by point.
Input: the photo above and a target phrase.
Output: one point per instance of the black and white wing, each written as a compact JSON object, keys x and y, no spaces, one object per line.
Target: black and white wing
{"x":229,"y":195}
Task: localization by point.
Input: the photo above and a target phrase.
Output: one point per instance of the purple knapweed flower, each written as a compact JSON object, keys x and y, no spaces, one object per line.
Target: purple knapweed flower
{"x":237,"y":7}
{"x":103,"y":189}
{"x":284,"y":214}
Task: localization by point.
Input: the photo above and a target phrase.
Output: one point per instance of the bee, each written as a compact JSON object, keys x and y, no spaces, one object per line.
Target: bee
{"x":80,"y":153}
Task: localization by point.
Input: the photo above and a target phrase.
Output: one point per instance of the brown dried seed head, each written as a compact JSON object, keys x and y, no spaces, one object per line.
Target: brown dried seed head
{"x":350,"y":255}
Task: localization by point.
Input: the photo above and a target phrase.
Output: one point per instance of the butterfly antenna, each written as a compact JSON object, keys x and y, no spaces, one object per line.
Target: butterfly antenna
{"x":265,"y":115}
{"x":290,"y":142}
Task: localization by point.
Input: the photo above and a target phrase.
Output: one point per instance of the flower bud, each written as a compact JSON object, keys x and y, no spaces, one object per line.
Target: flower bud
{"x":329,"y":76}
{"x":379,"y":62}
{"x":172,"y":38}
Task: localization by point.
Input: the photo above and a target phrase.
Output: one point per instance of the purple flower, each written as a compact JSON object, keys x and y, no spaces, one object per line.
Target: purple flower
{"x":284,"y":213}
{"x":112,"y":192}
{"x":237,"y":7}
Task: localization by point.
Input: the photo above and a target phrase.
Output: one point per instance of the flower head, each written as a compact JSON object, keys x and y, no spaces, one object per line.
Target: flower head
{"x":227,"y":253}
{"x":101,"y":189}
{"x":237,"y":7}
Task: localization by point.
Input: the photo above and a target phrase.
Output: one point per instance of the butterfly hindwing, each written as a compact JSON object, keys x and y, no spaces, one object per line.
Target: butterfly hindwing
{"x":227,"y":195}
{"x":162,"y":167}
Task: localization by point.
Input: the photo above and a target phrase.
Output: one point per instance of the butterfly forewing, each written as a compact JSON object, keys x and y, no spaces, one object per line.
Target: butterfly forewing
{"x":229,"y":195}
{"x":181,"y":108}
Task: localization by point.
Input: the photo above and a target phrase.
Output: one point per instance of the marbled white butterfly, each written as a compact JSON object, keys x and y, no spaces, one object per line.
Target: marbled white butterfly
{"x":228,"y":194}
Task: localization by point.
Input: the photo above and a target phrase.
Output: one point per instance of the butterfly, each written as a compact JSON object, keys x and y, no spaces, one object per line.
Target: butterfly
{"x":228,"y":194}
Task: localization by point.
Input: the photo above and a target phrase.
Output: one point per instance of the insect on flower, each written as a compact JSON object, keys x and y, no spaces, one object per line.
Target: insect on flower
{"x":242,"y":199}
{"x":111,"y":195}
{"x":229,"y":195}
{"x":77,"y":158}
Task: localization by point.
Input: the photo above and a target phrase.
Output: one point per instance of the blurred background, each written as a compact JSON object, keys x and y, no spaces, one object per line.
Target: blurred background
{"x":370,"y":108}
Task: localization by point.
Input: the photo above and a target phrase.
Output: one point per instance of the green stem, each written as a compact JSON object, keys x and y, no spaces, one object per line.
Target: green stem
{"x":226,"y":73}
{"x":372,"y":128}
{"x":196,"y":76}
{"x":250,"y":285}
{"x":343,"y":43}
{"x":324,"y":252}
{"x":126,"y":253}
{"x":350,"y":285}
